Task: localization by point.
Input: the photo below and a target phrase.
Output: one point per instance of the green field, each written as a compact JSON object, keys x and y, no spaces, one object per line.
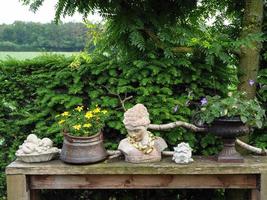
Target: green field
{"x":28,"y":55}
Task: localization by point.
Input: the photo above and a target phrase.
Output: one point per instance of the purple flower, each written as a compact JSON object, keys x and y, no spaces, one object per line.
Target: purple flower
{"x":175,"y":108}
{"x":203,"y":101}
{"x":251,"y":82}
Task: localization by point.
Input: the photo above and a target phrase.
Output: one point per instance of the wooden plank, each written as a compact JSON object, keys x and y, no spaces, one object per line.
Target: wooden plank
{"x":252,"y":165}
{"x":263,"y":186}
{"x":17,"y":188}
{"x":142,"y":181}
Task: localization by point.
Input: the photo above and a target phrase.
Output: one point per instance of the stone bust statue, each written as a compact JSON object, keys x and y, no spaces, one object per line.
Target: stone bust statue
{"x":140,"y":145}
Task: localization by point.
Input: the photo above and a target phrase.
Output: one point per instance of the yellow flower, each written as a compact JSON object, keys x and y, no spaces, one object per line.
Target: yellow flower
{"x":104,"y":111}
{"x":79,"y":108}
{"x":77,"y":127}
{"x":96,"y":110}
{"x":61,"y":121}
{"x":87,"y":125}
{"x":65,"y":114}
{"x":88,"y":115}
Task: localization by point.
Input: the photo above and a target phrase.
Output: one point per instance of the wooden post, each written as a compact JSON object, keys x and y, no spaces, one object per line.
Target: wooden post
{"x":17,"y":188}
{"x":35,"y":194}
{"x":263,"y":188}
{"x":255,"y":194}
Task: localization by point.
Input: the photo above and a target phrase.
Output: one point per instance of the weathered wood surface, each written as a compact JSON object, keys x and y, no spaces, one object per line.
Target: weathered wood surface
{"x":252,"y":165}
{"x":142,"y":181}
{"x":17,"y":188}
{"x":25,"y":178}
{"x":255,"y":194}
{"x":263,"y":186}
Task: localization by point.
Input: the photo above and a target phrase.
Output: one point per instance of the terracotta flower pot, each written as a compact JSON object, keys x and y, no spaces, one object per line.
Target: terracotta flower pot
{"x":82,"y":150}
{"x":228,"y":129}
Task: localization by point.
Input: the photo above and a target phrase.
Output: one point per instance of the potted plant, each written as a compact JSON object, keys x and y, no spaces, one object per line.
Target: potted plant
{"x":83,"y":139}
{"x":228,"y":118}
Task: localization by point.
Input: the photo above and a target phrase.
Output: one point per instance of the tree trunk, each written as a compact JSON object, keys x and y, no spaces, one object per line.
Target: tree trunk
{"x":249,"y":64}
{"x":249,"y":57}
{"x":250,"y":54}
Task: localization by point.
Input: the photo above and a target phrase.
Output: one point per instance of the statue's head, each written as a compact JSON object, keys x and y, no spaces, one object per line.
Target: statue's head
{"x":136,"y":121}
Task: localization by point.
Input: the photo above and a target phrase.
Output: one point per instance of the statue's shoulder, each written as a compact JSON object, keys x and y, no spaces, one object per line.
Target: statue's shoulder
{"x":160,"y":144}
{"x":123,"y":143}
{"x":124,"y":146}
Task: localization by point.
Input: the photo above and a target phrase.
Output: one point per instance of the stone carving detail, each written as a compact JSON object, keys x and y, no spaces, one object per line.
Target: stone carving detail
{"x":182,"y":154}
{"x":140,"y":145}
{"x":36,"y":150}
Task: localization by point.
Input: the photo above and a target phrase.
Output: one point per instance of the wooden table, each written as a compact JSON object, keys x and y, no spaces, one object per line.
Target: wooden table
{"x":24,"y":180}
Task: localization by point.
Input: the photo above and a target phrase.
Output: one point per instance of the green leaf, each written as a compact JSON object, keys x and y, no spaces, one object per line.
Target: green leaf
{"x":259,"y":124}
{"x":243,"y":119}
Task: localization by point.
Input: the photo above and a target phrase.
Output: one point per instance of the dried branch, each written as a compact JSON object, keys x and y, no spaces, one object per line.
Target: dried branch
{"x":113,"y":154}
{"x":198,"y":129}
{"x":251,"y":148}
{"x":167,"y":153}
{"x":242,"y":144}
{"x":176,"y":124}
{"x":122,"y":101}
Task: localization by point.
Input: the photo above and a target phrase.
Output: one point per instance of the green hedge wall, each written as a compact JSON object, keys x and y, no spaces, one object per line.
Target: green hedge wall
{"x":34,"y":91}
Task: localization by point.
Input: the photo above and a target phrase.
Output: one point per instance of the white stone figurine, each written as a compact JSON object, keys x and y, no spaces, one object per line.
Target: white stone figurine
{"x":182,"y":154}
{"x":36,"y":150}
{"x":140,"y":145}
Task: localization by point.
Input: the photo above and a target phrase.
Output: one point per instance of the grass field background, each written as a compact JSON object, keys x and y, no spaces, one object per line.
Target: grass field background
{"x":28,"y":55}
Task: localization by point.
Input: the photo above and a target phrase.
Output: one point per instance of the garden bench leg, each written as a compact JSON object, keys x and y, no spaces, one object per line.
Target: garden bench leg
{"x":255,"y":194}
{"x":263,"y":189}
{"x":35,"y":194}
{"x":17,"y":187}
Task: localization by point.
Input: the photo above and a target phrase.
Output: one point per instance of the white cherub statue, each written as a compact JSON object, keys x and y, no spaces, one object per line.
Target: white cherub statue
{"x":182,"y":153}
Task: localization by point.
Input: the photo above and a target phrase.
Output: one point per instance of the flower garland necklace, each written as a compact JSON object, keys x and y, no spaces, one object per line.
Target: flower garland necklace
{"x":146,"y":149}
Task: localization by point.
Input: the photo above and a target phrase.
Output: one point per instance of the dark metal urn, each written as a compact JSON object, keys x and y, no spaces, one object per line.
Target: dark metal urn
{"x":82,"y":150}
{"x":228,"y":129}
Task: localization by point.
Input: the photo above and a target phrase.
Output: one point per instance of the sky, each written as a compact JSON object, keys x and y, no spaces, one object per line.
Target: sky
{"x":13,"y":10}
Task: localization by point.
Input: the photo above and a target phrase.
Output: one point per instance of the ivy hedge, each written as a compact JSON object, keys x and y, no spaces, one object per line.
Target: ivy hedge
{"x":34,"y":91}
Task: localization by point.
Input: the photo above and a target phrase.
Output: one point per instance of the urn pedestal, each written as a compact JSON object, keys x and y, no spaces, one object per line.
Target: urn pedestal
{"x":228,"y":130}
